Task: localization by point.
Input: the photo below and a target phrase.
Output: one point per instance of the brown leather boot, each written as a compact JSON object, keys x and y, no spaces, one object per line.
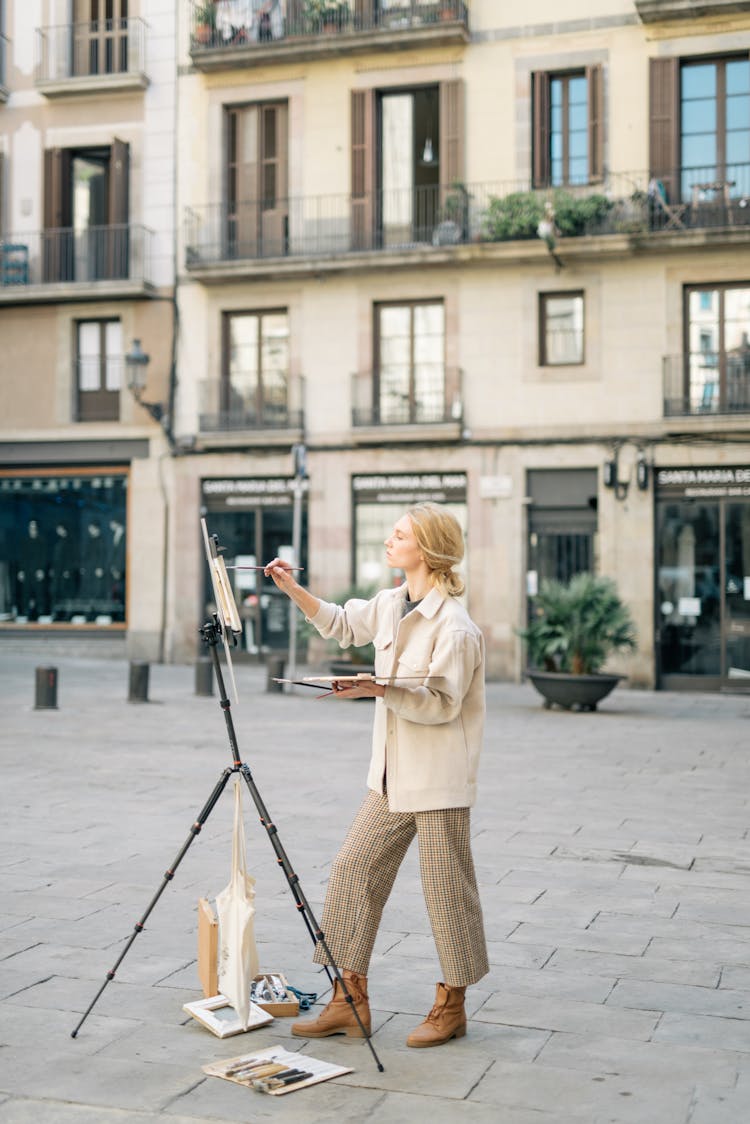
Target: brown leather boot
{"x":338,"y":1017}
{"x":446,"y":1020}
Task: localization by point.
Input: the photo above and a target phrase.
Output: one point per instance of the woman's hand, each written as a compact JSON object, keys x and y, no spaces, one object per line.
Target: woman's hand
{"x":281,"y":573}
{"x":344,"y":689}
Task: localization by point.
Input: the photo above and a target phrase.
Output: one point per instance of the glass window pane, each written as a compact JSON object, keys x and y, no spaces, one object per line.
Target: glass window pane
{"x":738,"y":152}
{"x":699,"y":80}
{"x":737,"y":323}
{"x":578,"y":145}
{"x":428,"y":319}
{"x":577,"y":91}
{"x":738,"y":76}
{"x":579,"y":171}
{"x":578,"y":117}
{"x":555,"y":92}
{"x":699,"y":152}
{"x":556,"y":147}
{"x":699,"y":116}
{"x":738,"y":112}
{"x":556,"y":118}
{"x":563,"y":329}
{"x":65,"y":560}
{"x":89,"y":355}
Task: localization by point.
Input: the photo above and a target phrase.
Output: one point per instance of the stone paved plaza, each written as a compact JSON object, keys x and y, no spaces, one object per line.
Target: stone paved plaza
{"x":613,"y":859}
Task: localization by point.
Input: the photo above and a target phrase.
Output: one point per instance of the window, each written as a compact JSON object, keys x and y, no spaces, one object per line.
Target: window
{"x":98,"y":369}
{"x":561,"y":341}
{"x":63,"y":547}
{"x":410,"y":362}
{"x":717,"y":364}
{"x":715,"y":127}
{"x":257,"y":190}
{"x":100,"y":39}
{"x":254,"y":389}
{"x":86,"y":213}
{"x":406,"y":149}
{"x":567,"y":127}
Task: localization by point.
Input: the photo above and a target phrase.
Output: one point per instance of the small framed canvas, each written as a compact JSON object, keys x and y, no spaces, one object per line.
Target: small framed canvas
{"x":217,"y":1014}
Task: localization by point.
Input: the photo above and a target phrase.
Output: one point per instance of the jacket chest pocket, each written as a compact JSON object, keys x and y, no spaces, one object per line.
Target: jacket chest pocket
{"x":383,"y":654}
{"x":415,"y":659}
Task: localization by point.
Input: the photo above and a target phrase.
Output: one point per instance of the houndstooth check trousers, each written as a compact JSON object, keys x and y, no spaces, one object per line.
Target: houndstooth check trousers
{"x":365,"y":869}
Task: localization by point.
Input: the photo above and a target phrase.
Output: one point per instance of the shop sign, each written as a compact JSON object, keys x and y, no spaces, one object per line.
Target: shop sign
{"x":696,"y":483}
{"x":248,"y":493}
{"x":408,"y":488}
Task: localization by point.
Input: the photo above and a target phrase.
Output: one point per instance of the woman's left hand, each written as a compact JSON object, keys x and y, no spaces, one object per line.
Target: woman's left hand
{"x":348,"y":690}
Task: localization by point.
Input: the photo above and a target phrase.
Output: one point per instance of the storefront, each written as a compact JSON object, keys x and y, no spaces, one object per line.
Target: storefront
{"x":379,"y":500}
{"x":703,"y":578}
{"x":254,"y":520}
{"x":63,"y":536}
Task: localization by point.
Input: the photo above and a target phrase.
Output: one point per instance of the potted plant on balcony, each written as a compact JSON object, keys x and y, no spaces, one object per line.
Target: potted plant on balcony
{"x":576,"y":626}
{"x":326,"y":15}
{"x":205,"y":24}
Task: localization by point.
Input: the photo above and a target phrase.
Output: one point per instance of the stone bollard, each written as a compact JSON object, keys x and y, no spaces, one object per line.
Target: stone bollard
{"x":274,"y":670}
{"x":138,"y":683}
{"x":46,"y":688}
{"x":204,"y":676}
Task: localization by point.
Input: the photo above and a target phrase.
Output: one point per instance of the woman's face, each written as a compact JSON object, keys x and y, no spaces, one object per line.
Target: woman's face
{"x":402,"y":551}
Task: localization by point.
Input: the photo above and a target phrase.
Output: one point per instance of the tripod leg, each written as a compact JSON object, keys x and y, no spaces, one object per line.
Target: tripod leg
{"x":303,"y":905}
{"x":168,"y":876}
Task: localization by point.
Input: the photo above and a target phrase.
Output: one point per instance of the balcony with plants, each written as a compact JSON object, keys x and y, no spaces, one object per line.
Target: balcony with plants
{"x":625,"y":211}
{"x":69,"y":265}
{"x":231,"y":33}
{"x":93,"y":57}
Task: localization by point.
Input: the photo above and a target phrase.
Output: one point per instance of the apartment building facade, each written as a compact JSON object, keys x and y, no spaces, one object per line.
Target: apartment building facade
{"x":87,"y":121}
{"x":503,"y":265}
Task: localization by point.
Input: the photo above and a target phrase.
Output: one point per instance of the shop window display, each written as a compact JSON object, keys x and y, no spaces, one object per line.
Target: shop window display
{"x":62,"y":549}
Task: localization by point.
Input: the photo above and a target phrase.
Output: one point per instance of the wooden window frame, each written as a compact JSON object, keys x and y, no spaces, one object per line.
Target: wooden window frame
{"x":720,"y":62}
{"x":104,"y":396}
{"x":542,"y":326}
{"x":720,"y":287}
{"x":411,"y":305}
{"x":226,"y":377}
{"x":541,"y":130}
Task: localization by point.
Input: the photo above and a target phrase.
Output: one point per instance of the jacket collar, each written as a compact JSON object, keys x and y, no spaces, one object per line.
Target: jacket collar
{"x":429,"y":604}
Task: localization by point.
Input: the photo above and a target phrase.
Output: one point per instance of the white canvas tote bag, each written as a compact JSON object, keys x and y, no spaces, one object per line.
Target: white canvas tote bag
{"x":238,"y":956}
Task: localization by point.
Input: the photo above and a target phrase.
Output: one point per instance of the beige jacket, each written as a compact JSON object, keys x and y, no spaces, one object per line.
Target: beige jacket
{"x":427,"y":737}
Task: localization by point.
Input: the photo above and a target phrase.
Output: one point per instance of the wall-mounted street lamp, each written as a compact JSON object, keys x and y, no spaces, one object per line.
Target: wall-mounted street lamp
{"x":136,"y":367}
{"x":611,"y":475}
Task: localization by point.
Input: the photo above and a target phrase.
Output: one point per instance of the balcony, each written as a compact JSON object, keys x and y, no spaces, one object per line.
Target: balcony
{"x":707,"y":383}
{"x":693,"y":205}
{"x":237,"y":33}
{"x":4,"y":92}
{"x":424,"y":404}
{"x":69,"y":265}
{"x":232,"y":412}
{"x":91,"y":58}
{"x":664,"y":11}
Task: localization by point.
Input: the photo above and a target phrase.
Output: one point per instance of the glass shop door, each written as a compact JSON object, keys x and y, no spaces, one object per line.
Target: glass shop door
{"x":737,"y":594}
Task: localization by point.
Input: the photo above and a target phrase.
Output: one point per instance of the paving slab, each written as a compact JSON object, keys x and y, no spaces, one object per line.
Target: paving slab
{"x":612,"y":855}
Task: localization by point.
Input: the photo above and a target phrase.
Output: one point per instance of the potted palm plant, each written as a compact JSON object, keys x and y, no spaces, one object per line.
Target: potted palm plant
{"x":575,"y":627}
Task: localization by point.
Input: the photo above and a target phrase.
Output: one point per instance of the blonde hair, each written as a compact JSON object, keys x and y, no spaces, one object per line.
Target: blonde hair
{"x":441,"y":540}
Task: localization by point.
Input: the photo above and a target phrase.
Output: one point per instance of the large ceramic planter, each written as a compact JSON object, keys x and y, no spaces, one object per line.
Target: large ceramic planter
{"x":573,"y":692}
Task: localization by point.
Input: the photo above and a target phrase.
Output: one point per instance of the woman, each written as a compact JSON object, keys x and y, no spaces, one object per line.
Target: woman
{"x":426,"y":743}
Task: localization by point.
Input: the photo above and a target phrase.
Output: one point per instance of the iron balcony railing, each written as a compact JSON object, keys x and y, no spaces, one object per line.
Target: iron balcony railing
{"x":427,"y":394}
{"x":96,"y":48}
{"x":243,"y":25}
{"x":97,"y":253}
{"x":242,"y":404}
{"x":426,"y":218}
{"x":707,"y":382}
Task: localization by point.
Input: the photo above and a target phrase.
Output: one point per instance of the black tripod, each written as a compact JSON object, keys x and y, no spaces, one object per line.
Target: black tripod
{"x":211,"y":632}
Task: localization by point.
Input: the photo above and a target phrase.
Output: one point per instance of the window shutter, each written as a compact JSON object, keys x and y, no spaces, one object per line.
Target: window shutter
{"x":118,"y":236}
{"x":664,"y":116}
{"x":452,"y":132}
{"x":540,"y":129}
{"x":57,"y":204}
{"x":363,"y":168}
{"x":595,"y":88}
